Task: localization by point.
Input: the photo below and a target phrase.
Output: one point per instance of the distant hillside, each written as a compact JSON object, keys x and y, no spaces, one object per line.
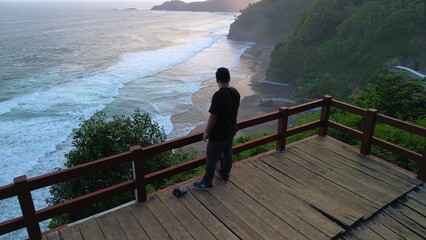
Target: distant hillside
{"x":205,"y":6}
{"x":336,"y":46}
{"x":270,"y":21}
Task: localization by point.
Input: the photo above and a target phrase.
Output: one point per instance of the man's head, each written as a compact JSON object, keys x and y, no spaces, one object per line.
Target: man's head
{"x":222,"y":75}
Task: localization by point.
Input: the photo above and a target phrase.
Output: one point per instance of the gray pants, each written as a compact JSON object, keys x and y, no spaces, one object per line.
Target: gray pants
{"x":213,"y":152}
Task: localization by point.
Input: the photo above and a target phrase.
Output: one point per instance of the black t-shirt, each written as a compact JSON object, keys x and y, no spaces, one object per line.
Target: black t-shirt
{"x":225,"y":104}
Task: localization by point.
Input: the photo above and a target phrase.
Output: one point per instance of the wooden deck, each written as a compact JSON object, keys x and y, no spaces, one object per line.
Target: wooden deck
{"x":316,"y":189}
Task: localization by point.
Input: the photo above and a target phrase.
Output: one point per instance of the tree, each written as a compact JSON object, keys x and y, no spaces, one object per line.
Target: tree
{"x":98,"y":138}
{"x":352,"y":40}
{"x":396,"y":97}
{"x":318,"y":85}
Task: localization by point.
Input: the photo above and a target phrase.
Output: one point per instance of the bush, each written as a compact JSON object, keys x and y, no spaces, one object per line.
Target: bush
{"x":97,"y":138}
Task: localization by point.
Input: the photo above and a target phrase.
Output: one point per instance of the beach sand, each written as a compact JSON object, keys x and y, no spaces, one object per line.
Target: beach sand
{"x":256,"y":59}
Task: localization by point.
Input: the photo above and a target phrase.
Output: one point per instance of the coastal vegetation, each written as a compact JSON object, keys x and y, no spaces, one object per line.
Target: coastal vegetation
{"x":392,"y":96}
{"x":335,"y":47}
{"x":347,"y":49}
{"x":100,"y":137}
{"x":268,"y":21}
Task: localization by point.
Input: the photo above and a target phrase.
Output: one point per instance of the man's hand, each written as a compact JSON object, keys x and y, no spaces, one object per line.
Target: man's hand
{"x":210,"y":124}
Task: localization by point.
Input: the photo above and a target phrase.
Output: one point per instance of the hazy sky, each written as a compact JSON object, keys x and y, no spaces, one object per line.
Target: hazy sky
{"x":147,"y":1}
{"x":144,"y":4}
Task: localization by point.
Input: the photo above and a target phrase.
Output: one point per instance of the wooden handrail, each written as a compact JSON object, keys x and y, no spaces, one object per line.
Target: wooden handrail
{"x":31,"y":217}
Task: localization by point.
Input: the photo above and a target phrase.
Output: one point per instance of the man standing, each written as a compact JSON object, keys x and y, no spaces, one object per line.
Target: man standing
{"x":220,"y":130}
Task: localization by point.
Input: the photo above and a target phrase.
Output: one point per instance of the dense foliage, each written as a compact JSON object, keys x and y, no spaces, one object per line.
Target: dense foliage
{"x":396,"y":97}
{"x":99,"y":137}
{"x":268,"y":21}
{"x":392,"y":96}
{"x":345,"y":43}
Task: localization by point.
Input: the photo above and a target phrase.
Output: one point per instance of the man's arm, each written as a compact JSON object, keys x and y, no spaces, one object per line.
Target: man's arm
{"x":210,"y":124}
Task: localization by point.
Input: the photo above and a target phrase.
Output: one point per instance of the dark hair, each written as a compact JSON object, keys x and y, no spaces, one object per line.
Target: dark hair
{"x":222,"y":75}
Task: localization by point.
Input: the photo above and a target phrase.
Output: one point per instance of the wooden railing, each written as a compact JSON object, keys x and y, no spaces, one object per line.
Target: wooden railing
{"x":31,"y":217}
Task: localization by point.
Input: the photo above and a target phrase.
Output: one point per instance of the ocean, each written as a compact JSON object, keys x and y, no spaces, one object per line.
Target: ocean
{"x":61,"y":64}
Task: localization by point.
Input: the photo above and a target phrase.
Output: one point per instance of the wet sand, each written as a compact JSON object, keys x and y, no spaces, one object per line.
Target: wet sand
{"x":256,"y":59}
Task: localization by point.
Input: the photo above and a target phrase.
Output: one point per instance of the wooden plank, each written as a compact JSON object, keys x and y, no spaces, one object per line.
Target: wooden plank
{"x":70,"y":233}
{"x":308,"y":197}
{"x":255,"y":222}
{"x":167,"y":219}
{"x":90,"y":230}
{"x":110,"y":227}
{"x":407,"y":222}
{"x":358,"y":168}
{"x":293,"y":209}
{"x":185,"y":217}
{"x":333,"y":199}
{"x":382,"y":230}
{"x":414,"y":205}
{"x":334,"y":175}
{"x":346,"y":152}
{"x":412,"y":214}
{"x":364,"y":232}
{"x":52,"y":236}
{"x":368,"y":185}
{"x":233,"y":222}
{"x":350,"y":237}
{"x":419,"y":194}
{"x":294,"y":225}
{"x":148,"y":222}
{"x":397,"y":227}
{"x":326,"y":187}
{"x":338,"y":176}
{"x":311,"y":196}
{"x":268,"y":215}
{"x":215,"y":226}
{"x":129,"y":224}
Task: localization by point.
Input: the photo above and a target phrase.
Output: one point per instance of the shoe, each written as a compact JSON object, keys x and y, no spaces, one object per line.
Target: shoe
{"x":224,"y":179}
{"x":201,"y":186}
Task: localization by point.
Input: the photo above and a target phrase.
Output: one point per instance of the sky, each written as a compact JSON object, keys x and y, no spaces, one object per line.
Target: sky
{"x":141,"y":4}
{"x":136,"y":1}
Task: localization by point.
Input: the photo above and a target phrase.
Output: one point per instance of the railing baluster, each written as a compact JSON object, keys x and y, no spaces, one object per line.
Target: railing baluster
{"x":368,"y":131}
{"x":325,"y":115}
{"x":282,"y":128}
{"x":27,"y":207}
{"x":422,"y":167}
{"x":139,"y":173}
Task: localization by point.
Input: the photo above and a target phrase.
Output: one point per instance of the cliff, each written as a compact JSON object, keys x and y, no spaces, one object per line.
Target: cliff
{"x":268,"y":21}
{"x":335,"y":47}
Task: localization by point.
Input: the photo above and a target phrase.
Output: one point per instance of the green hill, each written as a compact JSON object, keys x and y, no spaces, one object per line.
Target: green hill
{"x":339,"y":45}
{"x":268,"y":21}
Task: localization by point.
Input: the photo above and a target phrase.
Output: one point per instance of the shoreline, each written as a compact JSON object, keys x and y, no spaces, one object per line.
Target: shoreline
{"x":256,"y":59}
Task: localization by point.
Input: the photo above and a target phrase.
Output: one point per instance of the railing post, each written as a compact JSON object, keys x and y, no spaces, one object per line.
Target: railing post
{"x":422,"y":167}
{"x":27,"y":207}
{"x":139,"y":173}
{"x":368,"y":131}
{"x":282,"y":128}
{"x":325,"y":115}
